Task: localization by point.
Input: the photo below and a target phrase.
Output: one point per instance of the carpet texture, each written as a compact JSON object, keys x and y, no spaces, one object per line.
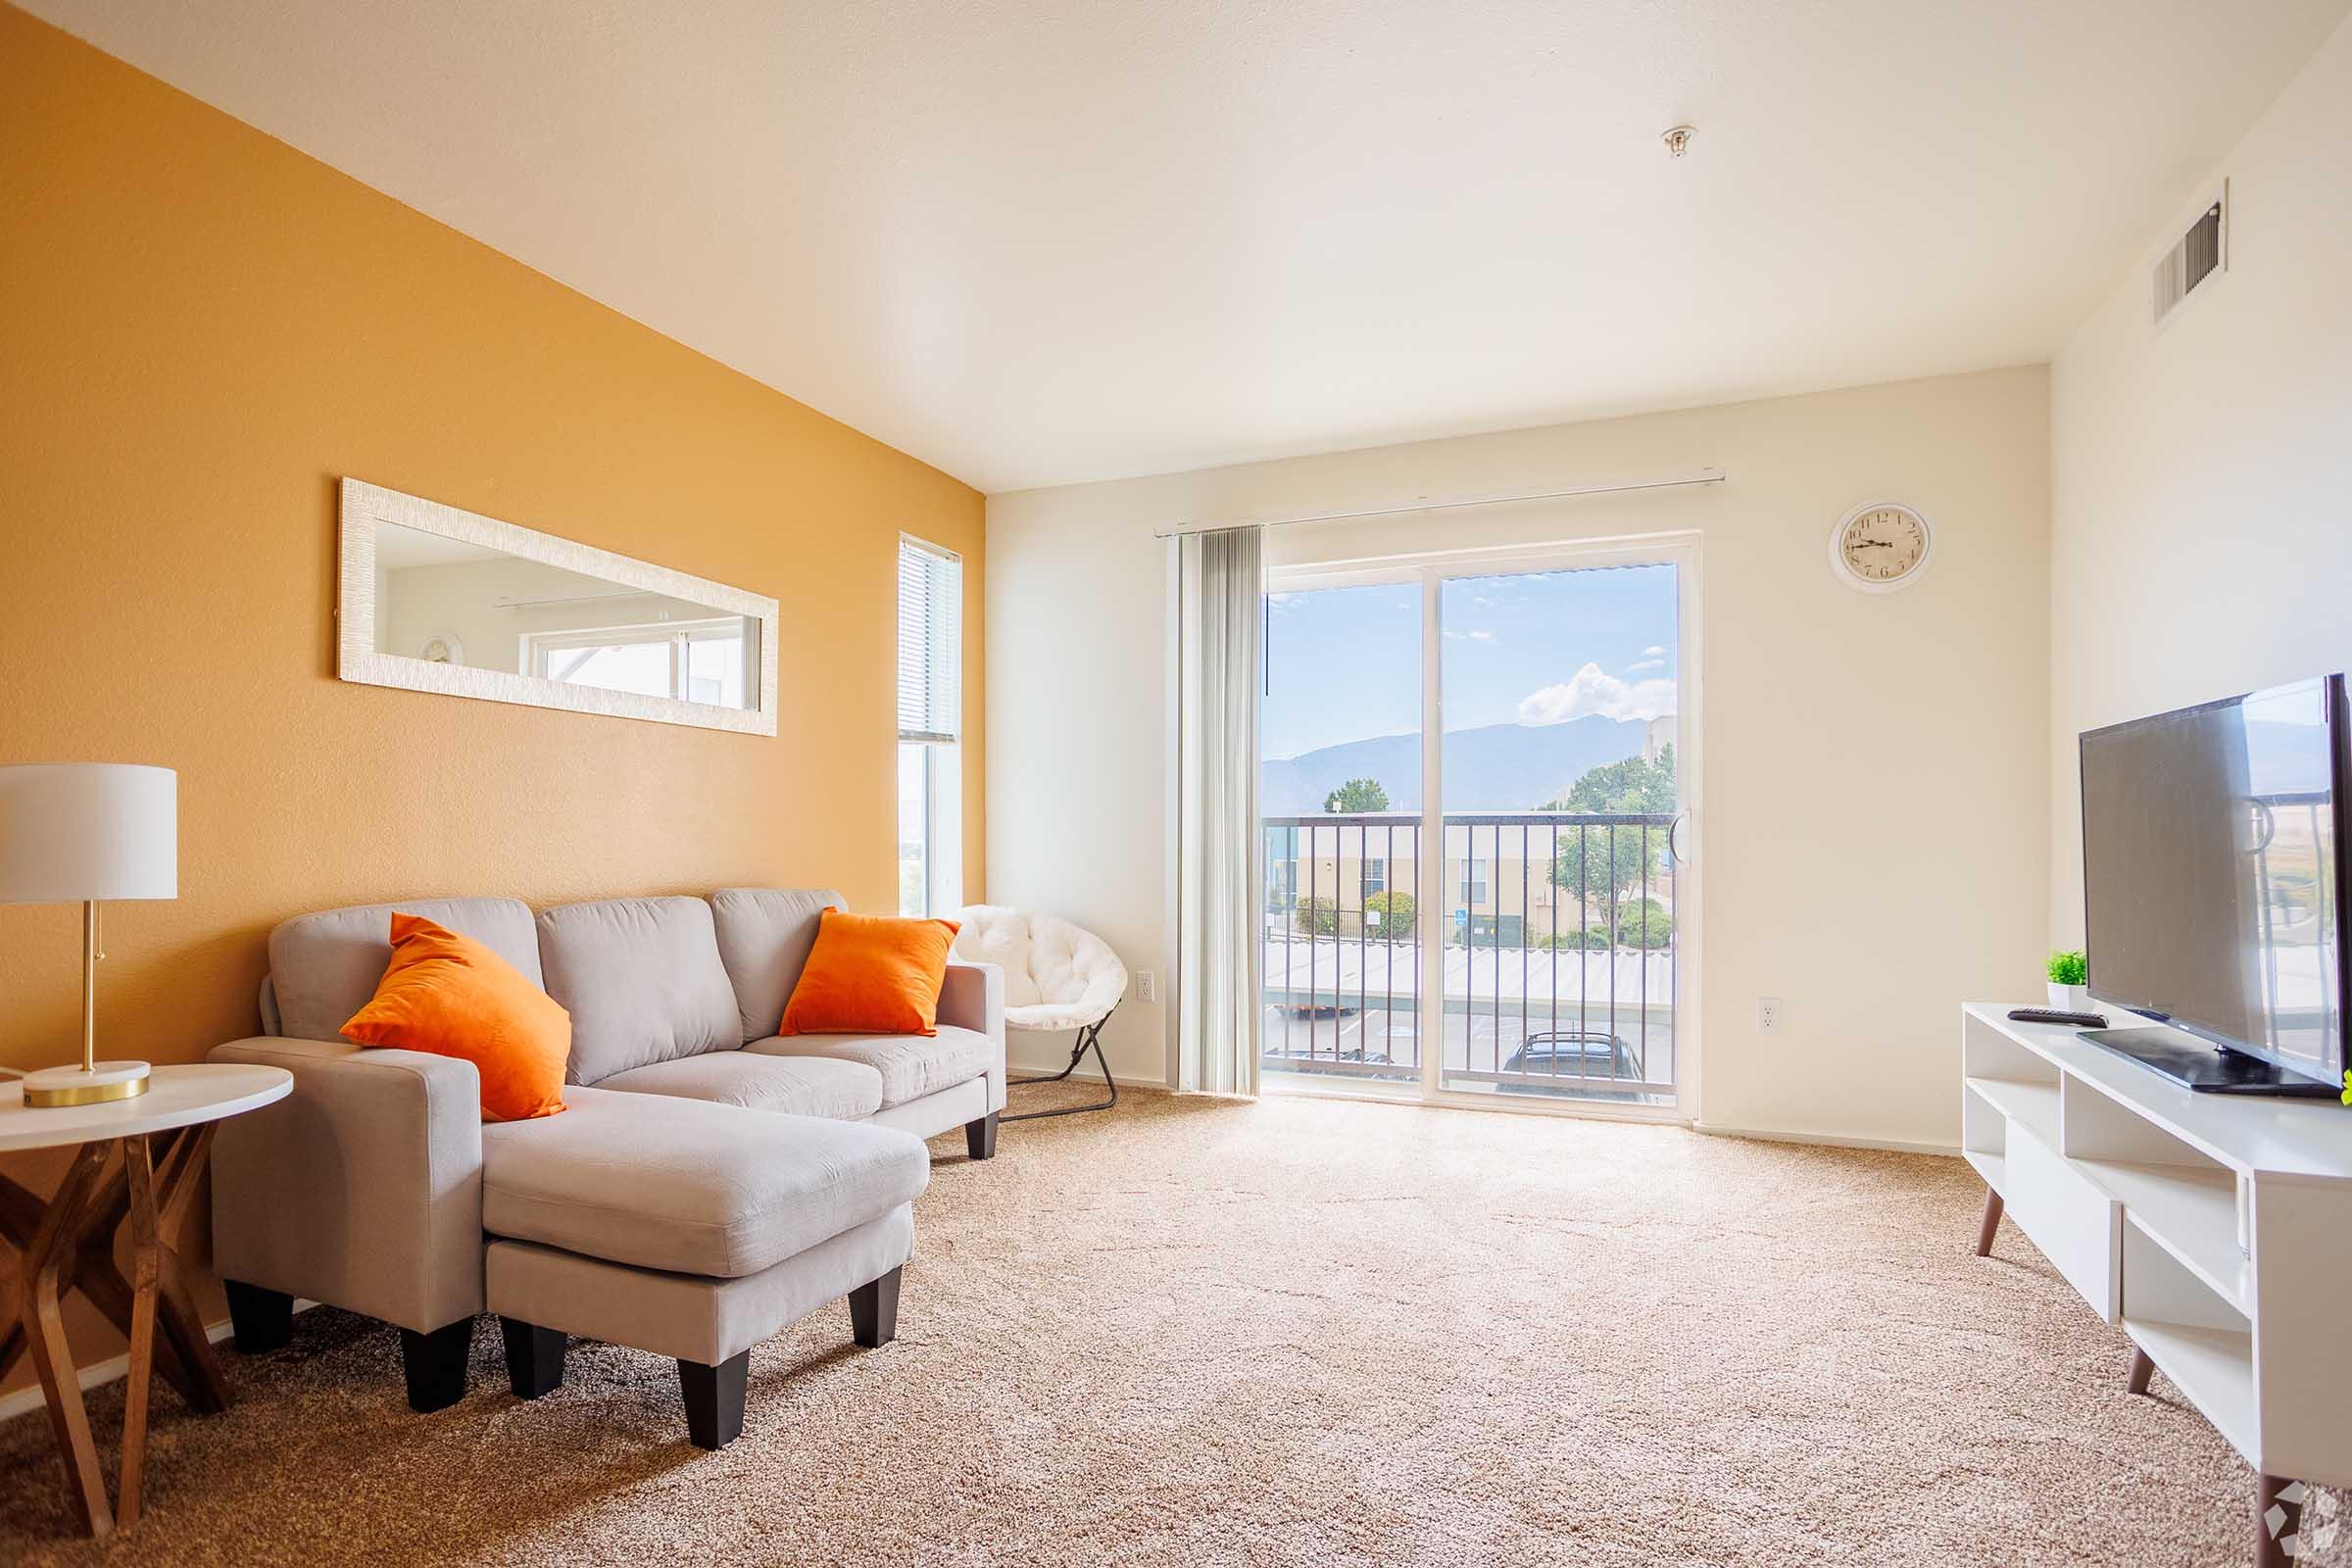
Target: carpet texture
{"x":1208,"y":1333}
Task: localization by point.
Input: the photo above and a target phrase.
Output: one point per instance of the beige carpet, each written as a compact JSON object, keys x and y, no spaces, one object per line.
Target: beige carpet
{"x":1203,"y":1333}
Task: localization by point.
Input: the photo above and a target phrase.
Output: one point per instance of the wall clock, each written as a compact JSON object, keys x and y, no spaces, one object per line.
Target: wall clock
{"x":1880,"y":545}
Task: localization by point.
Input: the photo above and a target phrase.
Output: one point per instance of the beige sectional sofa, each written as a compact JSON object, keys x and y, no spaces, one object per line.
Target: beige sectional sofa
{"x":709,"y":1184}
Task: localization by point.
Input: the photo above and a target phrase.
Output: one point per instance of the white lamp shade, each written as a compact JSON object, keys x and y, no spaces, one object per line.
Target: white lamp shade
{"x":71,"y":831}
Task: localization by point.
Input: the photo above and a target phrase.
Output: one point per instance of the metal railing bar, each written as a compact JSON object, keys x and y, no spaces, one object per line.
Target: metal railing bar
{"x":1551,"y":873}
{"x":1374,"y":1018}
{"x":1584,"y":968}
{"x":1615,"y":916}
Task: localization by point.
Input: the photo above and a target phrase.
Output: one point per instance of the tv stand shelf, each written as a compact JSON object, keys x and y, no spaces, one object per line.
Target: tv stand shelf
{"x":2216,"y":1231}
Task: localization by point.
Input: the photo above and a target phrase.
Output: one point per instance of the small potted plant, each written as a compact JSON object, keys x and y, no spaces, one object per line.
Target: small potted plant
{"x":2069,"y":974}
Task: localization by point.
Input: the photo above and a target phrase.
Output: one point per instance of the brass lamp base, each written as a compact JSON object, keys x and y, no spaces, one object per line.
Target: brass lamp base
{"x":95,"y":1085}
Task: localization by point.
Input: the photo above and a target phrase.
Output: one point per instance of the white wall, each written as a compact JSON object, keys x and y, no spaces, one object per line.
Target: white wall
{"x":1874,"y":844}
{"x":2202,"y":474}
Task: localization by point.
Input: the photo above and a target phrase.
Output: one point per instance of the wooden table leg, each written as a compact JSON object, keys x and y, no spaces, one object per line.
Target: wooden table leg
{"x":1991,"y":1223}
{"x":20,"y":1216}
{"x":67,"y":1243}
{"x":176,"y":1175}
{"x":2277,"y":1520}
{"x":145,"y":1276}
{"x":2143,"y":1369}
{"x":53,"y":1249}
{"x":97,"y":1278}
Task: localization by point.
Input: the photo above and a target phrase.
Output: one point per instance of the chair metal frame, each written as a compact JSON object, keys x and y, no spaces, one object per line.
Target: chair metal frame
{"x":1089,"y":1037}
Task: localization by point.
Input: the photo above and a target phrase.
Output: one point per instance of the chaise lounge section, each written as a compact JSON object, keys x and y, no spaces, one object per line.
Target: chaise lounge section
{"x":708,"y":1183}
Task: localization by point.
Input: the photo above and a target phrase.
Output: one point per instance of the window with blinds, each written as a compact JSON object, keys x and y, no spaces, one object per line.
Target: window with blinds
{"x":930,"y":643}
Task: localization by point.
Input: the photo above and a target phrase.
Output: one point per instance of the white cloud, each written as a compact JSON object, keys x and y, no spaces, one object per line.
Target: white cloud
{"x":1480,"y":636}
{"x":1653,"y":652}
{"x":1588,"y":691}
{"x":1645,"y":666}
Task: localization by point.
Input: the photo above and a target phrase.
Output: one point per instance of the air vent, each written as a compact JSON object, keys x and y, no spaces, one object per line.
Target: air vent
{"x":2198,"y":259}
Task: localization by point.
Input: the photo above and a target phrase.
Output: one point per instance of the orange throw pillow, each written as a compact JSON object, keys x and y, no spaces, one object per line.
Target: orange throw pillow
{"x":870,"y":974}
{"x":453,"y":997}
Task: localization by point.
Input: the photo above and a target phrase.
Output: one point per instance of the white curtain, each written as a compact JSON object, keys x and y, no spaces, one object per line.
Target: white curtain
{"x":1219,"y":593}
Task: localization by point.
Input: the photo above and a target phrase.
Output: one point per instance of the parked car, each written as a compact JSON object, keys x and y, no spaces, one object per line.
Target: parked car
{"x":1574,"y":1060}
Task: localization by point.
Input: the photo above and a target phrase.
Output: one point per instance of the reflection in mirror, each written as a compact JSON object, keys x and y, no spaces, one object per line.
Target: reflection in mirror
{"x":430,"y":598}
{"x":449,"y":602}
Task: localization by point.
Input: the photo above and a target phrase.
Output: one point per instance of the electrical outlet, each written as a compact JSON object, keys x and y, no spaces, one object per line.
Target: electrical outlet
{"x":1147,"y":986}
{"x":1768,"y":1015}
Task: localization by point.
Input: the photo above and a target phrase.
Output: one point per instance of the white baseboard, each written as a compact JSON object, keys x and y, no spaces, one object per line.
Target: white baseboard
{"x":1830,"y":1139}
{"x":1087,"y":1075}
{"x":100,"y":1373}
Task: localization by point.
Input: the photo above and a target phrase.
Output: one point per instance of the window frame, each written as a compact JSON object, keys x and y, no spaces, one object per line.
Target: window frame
{"x":941,"y":842}
{"x":680,"y":635}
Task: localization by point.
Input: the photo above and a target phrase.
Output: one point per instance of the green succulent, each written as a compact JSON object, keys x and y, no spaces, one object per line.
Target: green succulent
{"x":2069,"y":968}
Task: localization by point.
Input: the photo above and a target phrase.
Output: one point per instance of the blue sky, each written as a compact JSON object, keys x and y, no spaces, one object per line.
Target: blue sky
{"x":1528,"y":648}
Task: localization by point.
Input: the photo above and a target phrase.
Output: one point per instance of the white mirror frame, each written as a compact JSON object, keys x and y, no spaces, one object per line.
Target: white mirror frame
{"x":365,"y":506}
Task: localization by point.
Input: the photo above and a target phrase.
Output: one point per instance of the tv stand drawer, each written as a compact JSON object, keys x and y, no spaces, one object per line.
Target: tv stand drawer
{"x":2076,"y":1226}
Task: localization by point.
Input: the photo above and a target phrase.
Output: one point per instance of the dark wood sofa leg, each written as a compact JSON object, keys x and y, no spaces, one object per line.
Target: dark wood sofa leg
{"x":714,"y":1399}
{"x":436,"y":1364}
{"x":534,"y":1358}
{"x":874,"y":1310}
{"x":2278,"y":1521}
{"x":263,"y":1319}
{"x":980,"y":1137}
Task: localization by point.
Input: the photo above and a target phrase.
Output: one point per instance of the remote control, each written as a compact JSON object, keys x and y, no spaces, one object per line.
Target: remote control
{"x":2073,"y":1020}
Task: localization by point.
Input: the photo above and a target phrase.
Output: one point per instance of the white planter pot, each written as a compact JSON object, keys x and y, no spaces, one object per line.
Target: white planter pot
{"x":2070,"y":999}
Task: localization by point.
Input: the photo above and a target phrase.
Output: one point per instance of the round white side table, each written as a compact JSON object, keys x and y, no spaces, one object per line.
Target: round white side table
{"x":67,"y":1243}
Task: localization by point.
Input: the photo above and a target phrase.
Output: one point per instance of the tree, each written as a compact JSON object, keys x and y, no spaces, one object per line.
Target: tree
{"x":1602,"y":863}
{"x":1635,"y":784}
{"x":1356,"y":795}
{"x":1645,"y":923}
{"x":1396,"y":916}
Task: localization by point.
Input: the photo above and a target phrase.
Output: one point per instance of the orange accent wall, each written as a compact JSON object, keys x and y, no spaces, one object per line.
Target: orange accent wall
{"x":200,"y":329}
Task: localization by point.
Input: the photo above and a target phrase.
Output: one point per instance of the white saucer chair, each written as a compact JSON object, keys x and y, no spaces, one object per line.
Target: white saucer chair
{"x":1057,"y":978}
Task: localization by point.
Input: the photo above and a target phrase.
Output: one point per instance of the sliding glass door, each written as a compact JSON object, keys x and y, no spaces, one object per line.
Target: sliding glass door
{"x":1503,"y":916}
{"x":1340,"y":799}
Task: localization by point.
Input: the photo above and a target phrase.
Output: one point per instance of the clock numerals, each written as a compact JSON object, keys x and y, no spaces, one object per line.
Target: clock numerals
{"x":1880,"y":547}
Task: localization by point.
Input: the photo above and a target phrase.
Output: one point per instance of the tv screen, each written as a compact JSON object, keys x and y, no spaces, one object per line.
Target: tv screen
{"x":2211,"y":882}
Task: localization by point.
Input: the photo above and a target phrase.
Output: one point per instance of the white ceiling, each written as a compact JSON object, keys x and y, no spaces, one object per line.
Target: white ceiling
{"x":1037,"y":241}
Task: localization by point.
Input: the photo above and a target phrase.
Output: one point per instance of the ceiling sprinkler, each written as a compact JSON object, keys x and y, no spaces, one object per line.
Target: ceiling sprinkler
{"x":1678,"y":140}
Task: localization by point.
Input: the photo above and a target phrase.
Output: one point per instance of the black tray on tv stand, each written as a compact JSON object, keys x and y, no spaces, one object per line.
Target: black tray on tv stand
{"x":2207,"y":1068}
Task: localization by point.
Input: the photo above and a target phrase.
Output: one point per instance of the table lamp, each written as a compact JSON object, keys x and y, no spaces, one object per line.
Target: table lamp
{"x":79,"y":833}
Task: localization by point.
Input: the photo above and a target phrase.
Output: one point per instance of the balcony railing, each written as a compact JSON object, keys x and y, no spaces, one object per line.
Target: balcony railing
{"x":1557,"y":968}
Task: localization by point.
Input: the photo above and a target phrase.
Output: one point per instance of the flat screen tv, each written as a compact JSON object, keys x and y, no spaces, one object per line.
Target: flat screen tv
{"x":2213,"y":887}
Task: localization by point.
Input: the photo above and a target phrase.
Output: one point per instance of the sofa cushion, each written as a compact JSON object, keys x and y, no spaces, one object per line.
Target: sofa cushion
{"x":324,"y":967}
{"x":692,"y":1188}
{"x":799,"y":1086}
{"x":911,"y":1065}
{"x":642,"y":980}
{"x":764,"y":935}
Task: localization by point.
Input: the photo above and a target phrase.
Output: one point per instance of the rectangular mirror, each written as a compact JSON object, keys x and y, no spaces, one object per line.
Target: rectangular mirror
{"x":435,"y":598}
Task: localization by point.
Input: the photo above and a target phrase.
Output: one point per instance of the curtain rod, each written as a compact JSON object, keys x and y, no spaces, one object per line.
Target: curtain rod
{"x":1694,"y":476}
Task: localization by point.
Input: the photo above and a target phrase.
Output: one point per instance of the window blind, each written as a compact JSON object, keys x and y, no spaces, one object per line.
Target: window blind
{"x":930,"y":643}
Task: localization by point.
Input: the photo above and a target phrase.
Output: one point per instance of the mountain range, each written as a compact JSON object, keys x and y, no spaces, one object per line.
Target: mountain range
{"x":1497,"y":768}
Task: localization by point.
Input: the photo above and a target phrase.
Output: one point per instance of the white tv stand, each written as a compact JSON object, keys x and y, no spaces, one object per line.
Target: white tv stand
{"x":2215,"y":1230}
